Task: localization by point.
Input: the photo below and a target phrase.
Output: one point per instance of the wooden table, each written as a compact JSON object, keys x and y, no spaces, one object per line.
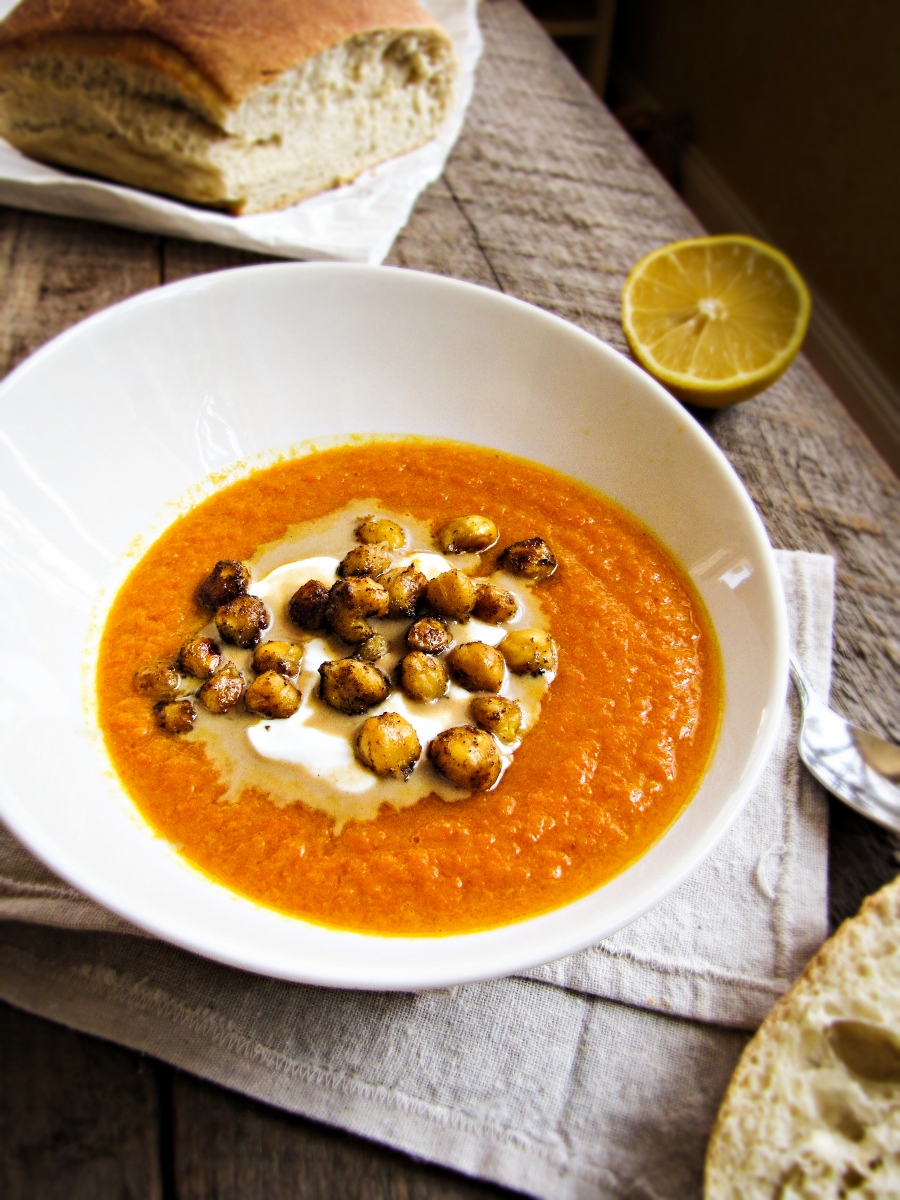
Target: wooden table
{"x":544,"y":198}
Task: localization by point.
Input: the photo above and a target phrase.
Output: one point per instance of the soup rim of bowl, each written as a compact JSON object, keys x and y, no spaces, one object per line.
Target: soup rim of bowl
{"x":341,"y":958}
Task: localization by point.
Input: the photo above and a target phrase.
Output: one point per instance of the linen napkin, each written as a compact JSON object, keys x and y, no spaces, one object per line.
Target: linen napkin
{"x":589,"y":1088}
{"x":355,"y":223}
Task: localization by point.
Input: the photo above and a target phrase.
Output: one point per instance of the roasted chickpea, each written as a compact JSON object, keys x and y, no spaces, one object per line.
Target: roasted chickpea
{"x":476,"y":666}
{"x":467,"y":756}
{"x":350,"y":602}
{"x":223,"y":690}
{"x":306,"y":607}
{"x":422,"y":677}
{"x":532,"y":558}
{"x":529,"y":651}
{"x":405,"y":587}
{"x":364,"y":560}
{"x":158,"y":681}
{"x":271,"y":695}
{"x":226,"y":581}
{"x":494,"y":605}
{"x":464,"y":534}
{"x":175,"y":716}
{"x":452,"y":594}
{"x":499,"y":716}
{"x":429,"y":635}
{"x":351,"y":686}
{"x":379,"y":529}
{"x":372,"y":649}
{"x":242,"y":621}
{"x":283,"y":657}
{"x":388,"y":745}
{"x":200,"y":657}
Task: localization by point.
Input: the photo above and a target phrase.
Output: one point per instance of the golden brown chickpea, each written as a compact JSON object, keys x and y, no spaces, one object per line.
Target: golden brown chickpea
{"x":529,"y":652}
{"x":467,"y":756}
{"x":226,"y":581}
{"x":429,"y":635}
{"x":422,"y":677}
{"x":476,"y":666}
{"x":271,"y":695}
{"x":200,"y":657}
{"x":350,"y":602}
{"x":364,"y":560}
{"x":494,"y":604}
{"x":242,"y":621}
{"x":452,"y":594}
{"x":468,"y":534}
{"x":158,"y":681}
{"x":389,"y":746}
{"x":405,"y":587}
{"x":223,"y":690}
{"x":306,"y":607}
{"x":351,"y":686}
{"x":175,"y":716}
{"x":532,"y":558}
{"x":499,"y":716}
{"x":379,"y":529}
{"x":372,"y":649}
{"x":283,"y":657}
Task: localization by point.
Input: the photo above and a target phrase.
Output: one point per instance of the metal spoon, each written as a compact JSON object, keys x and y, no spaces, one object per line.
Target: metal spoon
{"x":857,"y":767}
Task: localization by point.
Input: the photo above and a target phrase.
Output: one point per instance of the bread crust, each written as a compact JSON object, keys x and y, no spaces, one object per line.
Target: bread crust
{"x":217,"y":48}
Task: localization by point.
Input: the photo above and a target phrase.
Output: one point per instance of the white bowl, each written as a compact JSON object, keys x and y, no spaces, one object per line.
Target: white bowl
{"x":101,"y":430}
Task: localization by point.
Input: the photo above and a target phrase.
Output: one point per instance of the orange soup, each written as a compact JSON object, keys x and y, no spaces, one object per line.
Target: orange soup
{"x":624,"y":735}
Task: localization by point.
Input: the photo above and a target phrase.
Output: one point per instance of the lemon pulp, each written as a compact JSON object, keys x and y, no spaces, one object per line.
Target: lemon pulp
{"x":715,"y":319}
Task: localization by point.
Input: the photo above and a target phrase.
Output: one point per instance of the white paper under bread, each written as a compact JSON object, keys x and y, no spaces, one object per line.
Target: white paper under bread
{"x":356,"y":223}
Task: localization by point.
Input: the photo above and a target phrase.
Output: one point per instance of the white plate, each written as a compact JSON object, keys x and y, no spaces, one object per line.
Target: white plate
{"x":105,"y":427}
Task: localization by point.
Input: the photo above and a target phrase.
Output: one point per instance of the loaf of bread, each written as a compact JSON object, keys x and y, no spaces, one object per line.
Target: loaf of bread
{"x":244,"y":105}
{"x":813,"y":1110}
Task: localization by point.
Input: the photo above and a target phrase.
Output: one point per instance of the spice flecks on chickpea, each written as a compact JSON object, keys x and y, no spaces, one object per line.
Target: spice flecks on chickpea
{"x":200,"y":657}
{"x":532,"y":558}
{"x":529,"y":652}
{"x":388,"y":745}
{"x":494,"y":605}
{"x":468,"y":534}
{"x":364,"y":560}
{"x":283,"y":657}
{"x":467,"y":756}
{"x":452,"y":594}
{"x":223,"y":690}
{"x":241,"y":622}
{"x":477,"y":667}
{"x":379,"y":529}
{"x":351,"y":686}
{"x":158,"y":681}
{"x":271,"y":695}
{"x":405,"y":587}
{"x":429,"y":635}
{"x":422,"y":677}
{"x":350,"y":602}
{"x":497,"y":715}
{"x":226,"y":581}
{"x":306,"y":607}
{"x":372,"y":649}
{"x":175,"y":716}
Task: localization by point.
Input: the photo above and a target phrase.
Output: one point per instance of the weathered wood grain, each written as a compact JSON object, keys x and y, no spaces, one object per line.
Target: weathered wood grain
{"x":78,"y":1117}
{"x":55,"y":271}
{"x":231,"y":1148}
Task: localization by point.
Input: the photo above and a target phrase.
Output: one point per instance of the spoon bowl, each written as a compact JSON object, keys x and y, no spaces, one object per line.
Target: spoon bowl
{"x":859,"y":768}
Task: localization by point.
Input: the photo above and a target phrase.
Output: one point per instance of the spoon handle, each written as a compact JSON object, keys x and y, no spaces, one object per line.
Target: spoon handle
{"x":801,"y":682}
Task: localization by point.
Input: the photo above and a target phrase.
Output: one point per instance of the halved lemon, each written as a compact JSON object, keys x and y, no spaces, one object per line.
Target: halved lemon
{"x":715,"y":319}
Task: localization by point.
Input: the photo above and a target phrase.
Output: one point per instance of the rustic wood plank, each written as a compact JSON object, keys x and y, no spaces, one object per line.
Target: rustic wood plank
{"x":54,"y":271}
{"x":439,"y":238}
{"x":78,"y":1117}
{"x":181,"y":259}
{"x":232,"y":1148}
